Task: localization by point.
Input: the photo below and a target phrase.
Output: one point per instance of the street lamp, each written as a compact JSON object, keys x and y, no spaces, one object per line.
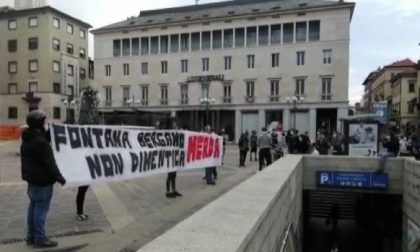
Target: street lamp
{"x":70,"y":104}
{"x":293,"y":101}
{"x":208,"y":102}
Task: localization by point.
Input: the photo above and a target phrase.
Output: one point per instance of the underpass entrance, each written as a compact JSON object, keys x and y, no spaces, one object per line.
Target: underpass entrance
{"x":352,"y":221}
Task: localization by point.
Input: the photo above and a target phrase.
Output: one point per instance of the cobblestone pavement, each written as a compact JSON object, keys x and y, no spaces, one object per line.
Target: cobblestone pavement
{"x":142,"y":198}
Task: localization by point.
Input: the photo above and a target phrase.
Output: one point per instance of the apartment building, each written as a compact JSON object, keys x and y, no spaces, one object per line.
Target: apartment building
{"x":43,"y":62}
{"x":238,"y":65}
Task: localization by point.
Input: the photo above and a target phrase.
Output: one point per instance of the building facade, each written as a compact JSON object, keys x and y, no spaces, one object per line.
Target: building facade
{"x":44,"y":63}
{"x":237,"y":65}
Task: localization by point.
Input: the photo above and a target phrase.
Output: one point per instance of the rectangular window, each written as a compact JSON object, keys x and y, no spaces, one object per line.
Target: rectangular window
{"x":164,"y":66}
{"x":228,"y":38}
{"x":263,"y":35}
{"x":300,"y":87}
{"x":184,"y":94}
{"x":251,"y":61}
{"x":145,"y":46}
{"x":326,"y":89}
{"x":251,"y":36}
{"x":69,"y":48}
{"x":126,"y":95}
{"x":184,"y":66}
{"x":82,"y":33}
{"x":33,"y":22}
{"x":164,"y":94}
{"x":82,"y":73}
{"x":326,"y":56}
{"x":227,"y":92}
{"x":411,"y":87}
{"x":12,"y":88}
{"x":228,"y":63}
{"x":70,"y":70}
{"x":13,"y":67}
{"x":217,"y":39}
{"x":300,"y":58}
{"x":56,"y":23}
{"x":274,"y":90}
{"x":411,"y":106}
{"x":314,"y":27}
{"x":288,"y":33}
{"x":185,"y":42}
{"x":126,"y":47}
{"x":144,"y":95}
{"x":195,"y":41}
{"x":205,"y":90}
{"x":135,"y":46}
{"x":33,"y":86}
{"x":250,"y":91}
{"x":117,"y":47}
{"x":301,"y":31}
{"x":174,"y":43}
{"x":155,"y":45}
{"x":107,"y":70}
{"x":12,"y":45}
{"x":275,"y":34}
{"x":82,"y":53}
{"x":12,"y":24}
{"x":126,"y":69}
{"x":56,"y":88}
{"x":205,"y":40}
{"x":13,"y":113}
{"x":69,"y":28}
{"x":56,"y":66}
{"x":33,"y":66}
{"x":275,"y":59}
{"x":56,"y":113}
{"x":33,"y":43}
{"x":108,"y":96}
{"x":144,"y":68}
{"x":164,"y":44}
{"x":205,"y":62}
{"x":239,"y":37}
{"x":56,"y":44}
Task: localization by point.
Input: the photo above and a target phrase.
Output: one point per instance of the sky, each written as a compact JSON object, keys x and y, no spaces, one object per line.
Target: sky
{"x":382,"y":31}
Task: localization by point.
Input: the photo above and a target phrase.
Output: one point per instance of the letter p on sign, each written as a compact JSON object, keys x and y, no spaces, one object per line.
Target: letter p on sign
{"x":324,"y":178}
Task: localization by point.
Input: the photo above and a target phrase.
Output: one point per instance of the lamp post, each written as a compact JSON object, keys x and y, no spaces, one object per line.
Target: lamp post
{"x":208,"y":102}
{"x":70,"y":104}
{"x":294,"y":100}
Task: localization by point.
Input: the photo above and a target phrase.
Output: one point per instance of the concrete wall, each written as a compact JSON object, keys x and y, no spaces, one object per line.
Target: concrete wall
{"x":251,"y":217}
{"x":411,"y":197}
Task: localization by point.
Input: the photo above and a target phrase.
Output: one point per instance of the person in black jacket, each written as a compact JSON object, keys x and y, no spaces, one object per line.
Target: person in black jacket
{"x":40,"y":171}
{"x":392,"y":144}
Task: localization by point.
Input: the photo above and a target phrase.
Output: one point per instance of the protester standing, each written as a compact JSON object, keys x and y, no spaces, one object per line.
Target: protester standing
{"x":40,"y":171}
{"x":264,"y":144}
{"x":171,"y":177}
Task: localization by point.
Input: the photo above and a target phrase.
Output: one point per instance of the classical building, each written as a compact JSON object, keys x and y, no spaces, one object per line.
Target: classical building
{"x":238,"y":65}
{"x":44,"y":62}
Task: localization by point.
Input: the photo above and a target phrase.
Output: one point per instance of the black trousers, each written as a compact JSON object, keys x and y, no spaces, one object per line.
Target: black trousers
{"x":80,"y":199}
{"x":170,"y":181}
{"x":242,"y":157}
{"x":264,"y":155}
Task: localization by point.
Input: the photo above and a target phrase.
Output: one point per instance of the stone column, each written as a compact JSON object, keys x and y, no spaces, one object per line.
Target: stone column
{"x":238,"y":124}
{"x":286,"y":119}
{"x":341,"y":113}
{"x":312,"y":124}
{"x":261,"y":119}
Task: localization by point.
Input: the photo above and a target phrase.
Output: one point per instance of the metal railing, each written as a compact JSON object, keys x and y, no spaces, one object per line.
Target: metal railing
{"x":289,"y":240}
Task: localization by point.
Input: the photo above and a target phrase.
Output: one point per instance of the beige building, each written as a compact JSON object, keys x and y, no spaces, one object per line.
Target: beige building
{"x":238,"y":65}
{"x":43,"y":62}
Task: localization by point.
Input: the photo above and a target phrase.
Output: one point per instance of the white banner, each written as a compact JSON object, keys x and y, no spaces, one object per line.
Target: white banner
{"x":363,"y":139}
{"x":87,"y":154}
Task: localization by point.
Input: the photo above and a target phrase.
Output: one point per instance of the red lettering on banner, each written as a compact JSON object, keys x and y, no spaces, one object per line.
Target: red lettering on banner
{"x":202,"y":147}
{"x":192,"y":147}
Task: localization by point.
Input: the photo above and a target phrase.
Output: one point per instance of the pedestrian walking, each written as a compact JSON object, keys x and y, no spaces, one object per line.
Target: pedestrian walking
{"x":264,"y":144}
{"x":253,"y":140}
{"x":243,"y":148}
{"x":40,"y":171}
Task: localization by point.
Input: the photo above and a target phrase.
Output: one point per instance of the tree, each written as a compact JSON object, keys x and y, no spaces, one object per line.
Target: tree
{"x":89,"y":107}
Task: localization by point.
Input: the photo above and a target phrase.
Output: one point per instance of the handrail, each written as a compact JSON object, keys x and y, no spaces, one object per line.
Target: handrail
{"x":286,"y":237}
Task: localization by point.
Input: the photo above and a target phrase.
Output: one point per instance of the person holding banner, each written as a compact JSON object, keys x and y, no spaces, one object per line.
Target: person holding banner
{"x":40,"y":171}
{"x":171,"y":177}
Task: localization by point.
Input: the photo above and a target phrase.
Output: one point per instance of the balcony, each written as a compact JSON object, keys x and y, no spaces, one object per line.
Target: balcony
{"x":108,"y":103}
{"x":184,"y":101}
{"x":227,"y":99}
{"x":326,"y":97}
{"x":30,"y":97}
{"x":164,"y":102}
{"x":145,"y":102}
{"x":274,"y":98}
{"x":250,"y":99}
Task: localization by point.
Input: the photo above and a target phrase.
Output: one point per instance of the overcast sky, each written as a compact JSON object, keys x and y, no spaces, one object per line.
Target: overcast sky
{"x":382,"y":31}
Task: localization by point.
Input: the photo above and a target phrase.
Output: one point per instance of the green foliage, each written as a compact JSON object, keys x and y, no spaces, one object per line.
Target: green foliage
{"x":89,"y":107}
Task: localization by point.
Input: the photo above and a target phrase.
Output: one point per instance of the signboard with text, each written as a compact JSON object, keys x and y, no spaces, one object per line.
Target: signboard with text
{"x":381,"y":111}
{"x":206,"y":78}
{"x":356,"y":180}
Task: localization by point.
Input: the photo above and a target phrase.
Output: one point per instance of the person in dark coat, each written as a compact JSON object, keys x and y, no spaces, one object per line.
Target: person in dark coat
{"x":243,"y":149}
{"x":392,"y":144}
{"x":253,"y":140}
{"x":40,"y":171}
{"x":171,"y":177}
